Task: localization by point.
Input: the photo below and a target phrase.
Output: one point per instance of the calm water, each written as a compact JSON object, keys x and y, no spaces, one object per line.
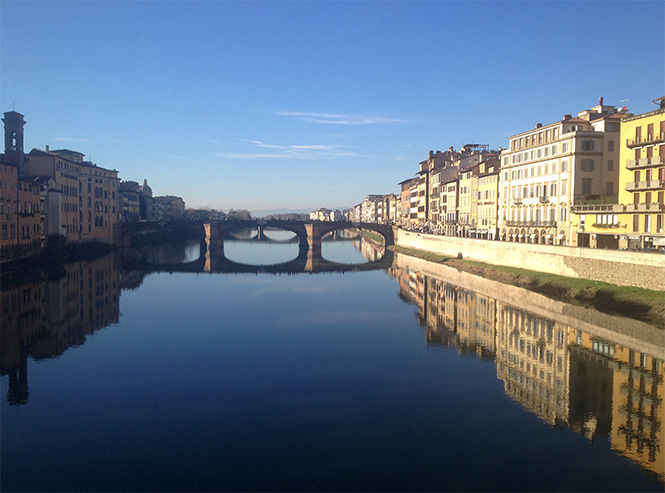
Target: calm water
{"x":402,"y":379}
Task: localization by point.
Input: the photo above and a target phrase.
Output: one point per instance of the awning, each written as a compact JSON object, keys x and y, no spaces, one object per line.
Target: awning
{"x":558,"y":237}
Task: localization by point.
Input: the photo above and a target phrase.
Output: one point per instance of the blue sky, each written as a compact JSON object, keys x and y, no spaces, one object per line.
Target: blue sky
{"x":265,"y":105}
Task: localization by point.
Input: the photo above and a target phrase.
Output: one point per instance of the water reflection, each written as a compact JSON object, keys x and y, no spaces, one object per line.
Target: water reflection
{"x":599,"y":375}
{"x":566,"y":370}
{"x":335,"y":248}
{"x":271,"y":247}
{"x":42,"y":316}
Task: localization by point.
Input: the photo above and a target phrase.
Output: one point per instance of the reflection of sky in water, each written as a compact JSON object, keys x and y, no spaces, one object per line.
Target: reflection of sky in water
{"x":259,"y":253}
{"x":343,"y":252}
{"x":260,"y":382}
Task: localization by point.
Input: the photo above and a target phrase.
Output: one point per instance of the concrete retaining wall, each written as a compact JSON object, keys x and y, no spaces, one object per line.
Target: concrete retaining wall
{"x":646,"y":270}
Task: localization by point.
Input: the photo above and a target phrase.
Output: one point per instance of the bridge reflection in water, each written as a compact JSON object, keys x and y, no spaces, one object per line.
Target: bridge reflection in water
{"x":598,"y":374}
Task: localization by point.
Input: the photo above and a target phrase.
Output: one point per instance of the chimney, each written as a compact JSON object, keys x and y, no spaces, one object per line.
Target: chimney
{"x":538,"y":125}
{"x":567,"y":116}
{"x":47,"y":148}
{"x":600,"y":101}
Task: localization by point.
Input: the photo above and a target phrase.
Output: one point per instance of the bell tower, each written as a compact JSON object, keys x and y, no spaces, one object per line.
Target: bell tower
{"x":14,"y":122}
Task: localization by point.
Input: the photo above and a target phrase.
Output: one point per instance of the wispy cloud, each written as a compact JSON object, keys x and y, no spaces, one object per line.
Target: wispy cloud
{"x":341,"y":118}
{"x":305,"y":147}
{"x":292,"y":151}
{"x":70,"y":139}
{"x":184,"y":158}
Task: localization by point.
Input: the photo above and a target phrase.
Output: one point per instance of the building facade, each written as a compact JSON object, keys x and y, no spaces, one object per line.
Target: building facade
{"x":549,"y":169}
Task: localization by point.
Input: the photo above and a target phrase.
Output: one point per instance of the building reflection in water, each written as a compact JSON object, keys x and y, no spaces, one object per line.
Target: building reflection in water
{"x":554,"y":369}
{"x":42,"y":317}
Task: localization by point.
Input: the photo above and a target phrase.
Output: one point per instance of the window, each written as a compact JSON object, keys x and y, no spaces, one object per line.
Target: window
{"x":610,"y":188}
{"x":586,"y":186}
{"x":659,"y":223}
{"x":587,"y":145}
{"x":610,"y":165}
{"x":564,"y":147}
{"x":587,"y":164}
{"x":647,"y":223}
{"x":610,"y":145}
{"x":636,"y":223}
{"x":564,"y":166}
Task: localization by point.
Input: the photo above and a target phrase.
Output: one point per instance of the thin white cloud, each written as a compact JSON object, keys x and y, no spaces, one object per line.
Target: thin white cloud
{"x":291,"y":151}
{"x":70,"y":139}
{"x":305,"y":147}
{"x":341,"y":118}
{"x":183,"y":158}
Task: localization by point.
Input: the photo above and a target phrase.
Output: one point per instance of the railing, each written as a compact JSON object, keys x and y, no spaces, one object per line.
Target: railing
{"x":544,"y":200}
{"x":601,"y":225}
{"x":643,"y":207}
{"x":632,"y":186}
{"x":645,"y":162}
{"x":533,"y":224}
{"x":646,"y":140}
{"x":592,"y":208}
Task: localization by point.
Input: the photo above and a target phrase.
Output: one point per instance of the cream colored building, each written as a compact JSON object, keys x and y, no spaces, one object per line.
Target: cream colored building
{"x":549,"y":169}
{"x":488,"y":199}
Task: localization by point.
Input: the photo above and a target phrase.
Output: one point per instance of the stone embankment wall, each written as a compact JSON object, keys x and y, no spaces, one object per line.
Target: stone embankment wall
{"x":625,"y":331}
{"x":627,"y":268}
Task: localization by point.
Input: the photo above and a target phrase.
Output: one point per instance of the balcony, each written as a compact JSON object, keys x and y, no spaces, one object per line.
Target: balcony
{"x":634,"y":186}
{"x":646,"y":140}
{"x":651,"y":207}
{"x":544,"y":200}
{"x":517,"y":201}
{"x":597,"y":208}
{"x":532,"y":224}
{"x":645,"y":162}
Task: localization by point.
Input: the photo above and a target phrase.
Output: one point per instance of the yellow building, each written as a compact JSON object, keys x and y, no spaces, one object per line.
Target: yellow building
{"x":642,"y":178}
{"x":488,"y":199}
{"x":638,"y":219}
{"x":467,"y":202}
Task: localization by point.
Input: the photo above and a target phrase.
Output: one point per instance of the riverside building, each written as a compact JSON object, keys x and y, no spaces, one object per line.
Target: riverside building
{"x":550,"y":169}
{"x":634,"y":220}
{"x":81,"y":202}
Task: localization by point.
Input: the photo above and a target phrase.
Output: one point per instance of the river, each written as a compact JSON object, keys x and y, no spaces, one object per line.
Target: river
{"x":413,"y":377}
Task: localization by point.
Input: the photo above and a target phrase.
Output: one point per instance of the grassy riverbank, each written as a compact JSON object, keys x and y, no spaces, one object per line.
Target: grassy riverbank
{"x":642,"y":304}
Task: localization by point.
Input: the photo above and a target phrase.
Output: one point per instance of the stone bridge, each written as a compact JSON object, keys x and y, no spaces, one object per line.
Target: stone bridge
{"x":309,"y":233}
{"x":309,"y":257}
